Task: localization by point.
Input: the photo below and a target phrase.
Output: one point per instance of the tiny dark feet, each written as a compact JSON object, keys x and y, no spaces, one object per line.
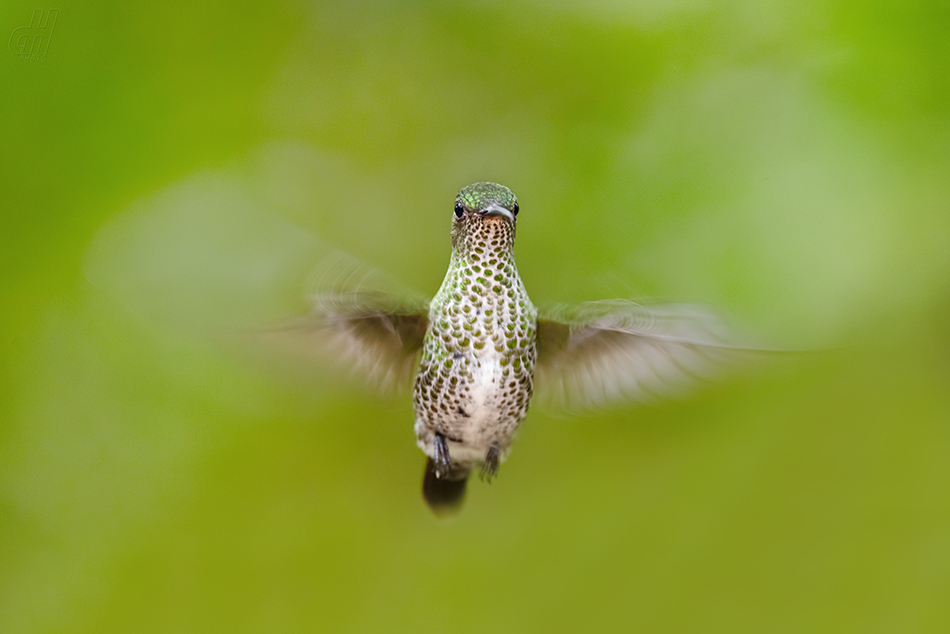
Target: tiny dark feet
{"x":490,"y":466}
{"x":442,"y":459}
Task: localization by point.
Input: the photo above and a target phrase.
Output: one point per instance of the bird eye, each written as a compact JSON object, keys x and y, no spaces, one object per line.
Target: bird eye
{"x":515,"y":209}
{"x":459,"y":210}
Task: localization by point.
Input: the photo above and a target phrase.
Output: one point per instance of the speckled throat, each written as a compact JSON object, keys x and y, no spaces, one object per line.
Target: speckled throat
{"x":475,"y":378}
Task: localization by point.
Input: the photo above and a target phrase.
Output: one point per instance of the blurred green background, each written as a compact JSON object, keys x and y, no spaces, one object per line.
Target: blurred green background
{"x":788,"y":162}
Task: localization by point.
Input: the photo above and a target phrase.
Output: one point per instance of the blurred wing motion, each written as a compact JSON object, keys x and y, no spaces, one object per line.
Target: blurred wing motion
{"x":209,"y":258}
{"x":377,"y":333}
{"x":600,"y":352}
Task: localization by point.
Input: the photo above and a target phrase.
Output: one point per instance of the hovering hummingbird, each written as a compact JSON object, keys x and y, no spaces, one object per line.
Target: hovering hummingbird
{"x":483,"y":347}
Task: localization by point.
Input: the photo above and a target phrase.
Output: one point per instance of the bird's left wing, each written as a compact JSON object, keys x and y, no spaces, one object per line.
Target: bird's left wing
{"x":607,"y":351}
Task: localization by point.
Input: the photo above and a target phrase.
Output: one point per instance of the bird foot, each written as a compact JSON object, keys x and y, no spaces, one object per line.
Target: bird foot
{"x":443,"y":461}
{"x":490,"y":466}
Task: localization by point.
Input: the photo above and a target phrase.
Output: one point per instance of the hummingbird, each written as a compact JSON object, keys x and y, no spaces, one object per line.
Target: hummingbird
{"x":479,"y":347}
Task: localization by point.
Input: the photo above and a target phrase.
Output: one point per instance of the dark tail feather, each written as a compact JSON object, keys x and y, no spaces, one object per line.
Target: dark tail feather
{"x":444,"y":495}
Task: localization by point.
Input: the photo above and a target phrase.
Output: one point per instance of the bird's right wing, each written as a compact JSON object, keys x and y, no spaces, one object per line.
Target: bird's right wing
{"x":206,"y":258}
{"x":377,"y":334}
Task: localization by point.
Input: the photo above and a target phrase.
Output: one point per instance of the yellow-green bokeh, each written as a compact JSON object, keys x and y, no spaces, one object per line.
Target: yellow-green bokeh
{"x":786,"y":162}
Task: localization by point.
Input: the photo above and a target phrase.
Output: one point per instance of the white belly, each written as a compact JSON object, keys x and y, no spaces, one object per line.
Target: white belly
{"x":480,"y":428}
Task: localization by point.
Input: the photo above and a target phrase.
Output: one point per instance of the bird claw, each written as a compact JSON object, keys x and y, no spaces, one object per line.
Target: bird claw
{"x":443,"y":461}
{"x":490,"y":466}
